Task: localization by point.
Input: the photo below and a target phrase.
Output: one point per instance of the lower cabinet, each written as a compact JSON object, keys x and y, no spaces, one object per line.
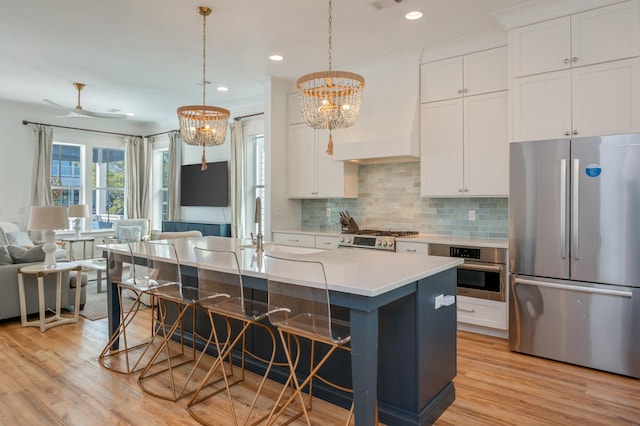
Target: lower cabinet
{"x":485,"y":313}
{"x":298,"y":240}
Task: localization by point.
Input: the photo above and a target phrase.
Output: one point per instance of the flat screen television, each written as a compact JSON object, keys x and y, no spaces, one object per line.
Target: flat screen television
{"x":208,"y":187}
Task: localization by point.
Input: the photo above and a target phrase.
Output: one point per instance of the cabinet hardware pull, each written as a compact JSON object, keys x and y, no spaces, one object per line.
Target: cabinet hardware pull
{"x":567,"y":133}
{"x":465,"y":90}
{"x":575,"y":132}
{"x":466,"y":310}
{"x":574,"y":59}
{"x":460,"y":190}
{"x":293,"y":241}
{"x":459,"y":90}
{"x":566,"y":60}
{"x":411,"y":250}
{"x":327,"y":243}
{"x":466,"y":190}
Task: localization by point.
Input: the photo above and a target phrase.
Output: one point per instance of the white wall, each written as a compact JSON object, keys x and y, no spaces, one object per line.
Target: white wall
{"x":18,"y":149}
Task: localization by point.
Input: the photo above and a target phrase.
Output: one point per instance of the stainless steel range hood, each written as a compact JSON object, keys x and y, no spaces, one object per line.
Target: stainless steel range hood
{"x":388,"y":126}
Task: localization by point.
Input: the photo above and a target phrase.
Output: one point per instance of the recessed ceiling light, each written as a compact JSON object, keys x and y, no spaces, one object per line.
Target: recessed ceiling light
{"x":413,"y":15}
{"x":222,"y":88}
{"x":131,"y":114}
{"x":276,"y":57}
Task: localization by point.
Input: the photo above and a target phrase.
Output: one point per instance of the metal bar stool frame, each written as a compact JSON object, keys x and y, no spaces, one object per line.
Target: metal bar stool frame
{"x":219,"y":273}
{"x":299,"y":305}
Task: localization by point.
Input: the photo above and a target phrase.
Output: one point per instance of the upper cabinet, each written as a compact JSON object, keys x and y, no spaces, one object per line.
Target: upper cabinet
{"x":599,"y":35}
{"x":463,"y":126}
{"x":312,"y":172}
{"x":577,"y":75}
{"x":465,"y":151}
{"x":468,"y":75}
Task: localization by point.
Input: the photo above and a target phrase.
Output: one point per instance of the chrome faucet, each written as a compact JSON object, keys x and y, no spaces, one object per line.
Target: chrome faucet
{"x":256,"y":219}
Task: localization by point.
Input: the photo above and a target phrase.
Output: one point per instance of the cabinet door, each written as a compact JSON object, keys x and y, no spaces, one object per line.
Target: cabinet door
{"x":606,"y":34}
{"x":485,"y":71}
{"x":605,"y":98}
{"x":486,"y":146}
{"x":302,"y":161}
{"x":541,"y":47}
{"x":441,"y":80}
{"x":441,"y":147}
{"x":541,"y":106}
{"x":331,"y":172}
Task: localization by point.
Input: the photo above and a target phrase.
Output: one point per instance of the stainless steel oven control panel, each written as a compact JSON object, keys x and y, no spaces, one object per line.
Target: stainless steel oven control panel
{"x":367,"y":241}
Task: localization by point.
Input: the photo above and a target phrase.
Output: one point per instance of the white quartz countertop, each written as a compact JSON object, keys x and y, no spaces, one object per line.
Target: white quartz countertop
{"x":421,"y":238}
{"x":362,"y":272}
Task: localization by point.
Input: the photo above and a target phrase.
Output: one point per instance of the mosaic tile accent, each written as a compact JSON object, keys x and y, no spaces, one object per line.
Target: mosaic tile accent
{"x":389,"y":198}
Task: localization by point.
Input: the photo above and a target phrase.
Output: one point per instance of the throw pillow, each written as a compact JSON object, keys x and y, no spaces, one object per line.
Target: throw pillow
{"x":23,"y":255}
{"x":129,"y":233}
{"x":19,"y":238}
{"x":5,"y":257}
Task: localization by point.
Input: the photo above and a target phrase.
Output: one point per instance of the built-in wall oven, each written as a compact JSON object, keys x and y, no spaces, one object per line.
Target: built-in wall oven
{"x":484,"y":272}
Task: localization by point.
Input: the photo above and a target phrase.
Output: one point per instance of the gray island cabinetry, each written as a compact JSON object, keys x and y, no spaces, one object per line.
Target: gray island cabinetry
{"x":403,"y":348}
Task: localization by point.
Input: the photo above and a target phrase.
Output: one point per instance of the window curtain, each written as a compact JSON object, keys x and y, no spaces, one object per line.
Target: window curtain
{"x":175,"y":162}
{"x":137,"y":177}
{"x":42,"y":195}
{"x":238,"y":187}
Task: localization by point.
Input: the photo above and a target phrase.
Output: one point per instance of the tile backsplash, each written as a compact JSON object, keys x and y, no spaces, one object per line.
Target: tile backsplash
{"x":389,"y":198}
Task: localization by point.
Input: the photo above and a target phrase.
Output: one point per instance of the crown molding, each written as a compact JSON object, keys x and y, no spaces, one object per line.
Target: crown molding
{"x":542,"y":10}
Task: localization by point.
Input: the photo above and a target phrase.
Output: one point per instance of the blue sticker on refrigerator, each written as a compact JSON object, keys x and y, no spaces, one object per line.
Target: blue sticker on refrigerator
{"x":593,"y":170}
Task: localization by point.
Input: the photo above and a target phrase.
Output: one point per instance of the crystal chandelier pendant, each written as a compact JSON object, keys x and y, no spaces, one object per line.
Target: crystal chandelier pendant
{"x":203,"y":125}
{"x":330,"y":99}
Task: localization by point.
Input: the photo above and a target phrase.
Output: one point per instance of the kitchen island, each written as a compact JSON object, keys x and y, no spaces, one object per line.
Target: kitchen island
{"x":403,"y":349}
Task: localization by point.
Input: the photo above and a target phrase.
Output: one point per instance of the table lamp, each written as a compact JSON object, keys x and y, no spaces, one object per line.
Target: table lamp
{"x":77,"y":212}
{"x":48,"y":219}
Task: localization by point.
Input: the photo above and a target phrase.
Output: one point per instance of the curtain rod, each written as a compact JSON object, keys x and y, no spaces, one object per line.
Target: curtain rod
{"x":247,"y":116}
{"x":161,"y":133}
{"x":25,"y":122}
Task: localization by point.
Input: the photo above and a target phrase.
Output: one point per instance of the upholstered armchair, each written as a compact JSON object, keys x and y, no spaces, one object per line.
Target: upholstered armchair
{"x":132,"y":229}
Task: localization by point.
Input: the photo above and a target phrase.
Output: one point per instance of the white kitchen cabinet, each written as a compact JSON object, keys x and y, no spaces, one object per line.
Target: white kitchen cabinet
{"x":586,"y":101}
{"x":468,"y":75}
{"x":485,"y":313}
{"x":464,"y":147}
{"x":298,"y":240}
{"x":312,"y":172}
{"x":327,"y":242}
{"x":600,"y":35}
{"x":410,"y":247}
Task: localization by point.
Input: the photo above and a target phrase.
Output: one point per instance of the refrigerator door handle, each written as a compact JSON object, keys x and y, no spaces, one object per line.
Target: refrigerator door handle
{"x":575,"y":203}
{"x":563,"y":207}
{"x":618,"y":293}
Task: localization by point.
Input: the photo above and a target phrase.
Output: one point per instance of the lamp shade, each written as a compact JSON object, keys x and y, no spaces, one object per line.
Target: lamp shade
{"x":79,"y":210}
{"x":48,"y":218}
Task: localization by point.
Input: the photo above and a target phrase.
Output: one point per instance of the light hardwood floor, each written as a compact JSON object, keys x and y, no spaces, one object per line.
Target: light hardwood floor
{"x":54,"y":378}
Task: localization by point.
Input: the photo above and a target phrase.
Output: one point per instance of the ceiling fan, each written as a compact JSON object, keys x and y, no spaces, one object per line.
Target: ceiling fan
{"x":78,"y":111}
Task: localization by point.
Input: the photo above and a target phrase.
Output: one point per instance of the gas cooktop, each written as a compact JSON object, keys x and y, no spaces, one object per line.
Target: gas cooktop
{"x":374,"y":239}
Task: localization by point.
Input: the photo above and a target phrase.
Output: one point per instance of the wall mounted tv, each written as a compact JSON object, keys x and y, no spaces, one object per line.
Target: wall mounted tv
{"x":208,"y":187}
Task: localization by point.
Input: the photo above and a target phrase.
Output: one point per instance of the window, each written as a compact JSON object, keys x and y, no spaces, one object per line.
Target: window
{"x":255,"y":181}
{"x":164,"y":189}
{"x":107,"y":186}
{"x":66,"y":180}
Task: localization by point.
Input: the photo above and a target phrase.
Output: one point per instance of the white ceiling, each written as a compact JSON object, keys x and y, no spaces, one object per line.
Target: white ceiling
{"x":145,"y":56}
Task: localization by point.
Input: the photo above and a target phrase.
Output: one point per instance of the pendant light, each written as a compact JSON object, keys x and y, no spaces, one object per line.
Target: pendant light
{"x":330,"y":99}
{"x":203,"y":125}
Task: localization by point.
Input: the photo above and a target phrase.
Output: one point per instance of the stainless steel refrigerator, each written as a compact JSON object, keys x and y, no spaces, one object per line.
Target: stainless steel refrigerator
{"x":574,"y":249}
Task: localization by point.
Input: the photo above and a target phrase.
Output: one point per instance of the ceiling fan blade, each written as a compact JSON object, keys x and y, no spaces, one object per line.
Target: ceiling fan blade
{"x":55,"y":104}
{"x":104,"y":115}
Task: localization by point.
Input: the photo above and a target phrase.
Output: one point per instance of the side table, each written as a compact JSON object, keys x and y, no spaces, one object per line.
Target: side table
{"x":84,"y":242}
{"x":41,"y":271}
{"x":99,"y":265}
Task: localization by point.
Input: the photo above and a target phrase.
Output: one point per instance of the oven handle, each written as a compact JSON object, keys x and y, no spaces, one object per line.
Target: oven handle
{"x":480,"y":268}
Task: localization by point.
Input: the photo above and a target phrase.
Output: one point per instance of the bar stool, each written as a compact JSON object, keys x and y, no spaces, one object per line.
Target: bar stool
{"x":139,"y":284}
{"x":219,"y":274}
{"x":299,"y":305}
{"x":169,"y":290}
